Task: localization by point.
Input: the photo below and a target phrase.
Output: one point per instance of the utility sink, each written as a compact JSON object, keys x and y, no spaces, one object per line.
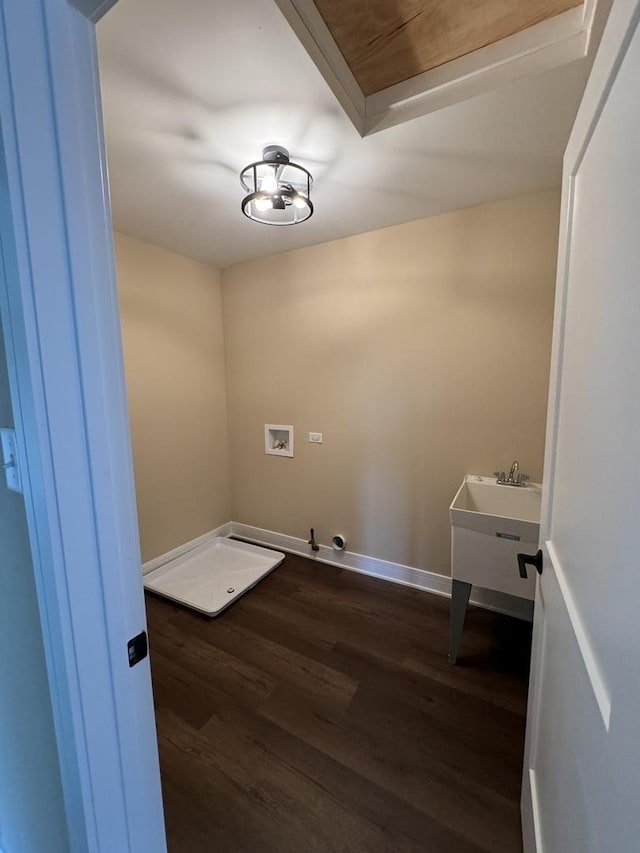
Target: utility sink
{"x":490,"y":524}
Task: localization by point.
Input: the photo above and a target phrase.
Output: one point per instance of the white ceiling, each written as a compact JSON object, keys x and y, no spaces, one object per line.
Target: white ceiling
{"x":193,"y":90}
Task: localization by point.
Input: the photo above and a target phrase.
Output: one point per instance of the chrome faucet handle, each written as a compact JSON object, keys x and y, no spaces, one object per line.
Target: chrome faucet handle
{"x":499,"y":475}
{"x":523,"y":478}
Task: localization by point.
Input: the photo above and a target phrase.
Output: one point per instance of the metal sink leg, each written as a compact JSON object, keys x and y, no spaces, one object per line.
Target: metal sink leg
{"x":460,"y":592}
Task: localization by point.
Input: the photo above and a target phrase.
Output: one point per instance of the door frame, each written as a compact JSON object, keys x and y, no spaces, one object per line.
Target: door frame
{"x":59,"y":308}
{"x":619,"y":29}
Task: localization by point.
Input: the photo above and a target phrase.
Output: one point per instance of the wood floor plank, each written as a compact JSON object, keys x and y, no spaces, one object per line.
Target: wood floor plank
{"x":326,"y":616}
{"x":176,"y":689}
{"x":493,"y":687}
{"x":225,"y":672}
{"x":286,"y":805}
{"x":205,"y":810}
{"x":431,"y":732}
{"x":445,"y":795}
{"x":453,"y":722}
{"x":402,"y":826}
{"x":260,"y":616}
{"x":277,"y":661}
{"x":319,"y":714}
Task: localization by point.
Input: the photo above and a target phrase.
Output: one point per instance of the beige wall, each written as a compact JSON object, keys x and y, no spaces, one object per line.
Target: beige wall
{"x":174,"y":358}
{"x":420,"y":351}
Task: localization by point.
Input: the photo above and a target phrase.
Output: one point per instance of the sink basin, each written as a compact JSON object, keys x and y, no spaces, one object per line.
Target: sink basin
{"x":481,"y":504}
{"x":490,"y":524}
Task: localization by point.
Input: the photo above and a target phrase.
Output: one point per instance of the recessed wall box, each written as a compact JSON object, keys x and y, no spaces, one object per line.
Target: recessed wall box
{"x":278,"y":439}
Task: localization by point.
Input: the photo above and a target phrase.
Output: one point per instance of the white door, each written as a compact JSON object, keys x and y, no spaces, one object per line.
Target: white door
{"x":581,"y":791}
{"x":59,"y":312}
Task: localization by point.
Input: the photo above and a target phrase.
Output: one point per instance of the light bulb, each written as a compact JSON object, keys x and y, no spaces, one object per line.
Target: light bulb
{"x":269,"y":184}
{"x":263,"y":204}
{"x":300,"y":201}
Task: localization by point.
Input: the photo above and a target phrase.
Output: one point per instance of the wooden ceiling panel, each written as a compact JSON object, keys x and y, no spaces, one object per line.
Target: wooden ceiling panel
{"x":387,"y":41}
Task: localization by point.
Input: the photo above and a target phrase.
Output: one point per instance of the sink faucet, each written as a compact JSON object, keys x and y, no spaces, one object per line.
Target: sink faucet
{"x":515,"y":478}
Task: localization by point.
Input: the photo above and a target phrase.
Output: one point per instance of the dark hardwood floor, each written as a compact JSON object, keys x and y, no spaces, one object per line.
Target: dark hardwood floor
{"x":319,"y":714}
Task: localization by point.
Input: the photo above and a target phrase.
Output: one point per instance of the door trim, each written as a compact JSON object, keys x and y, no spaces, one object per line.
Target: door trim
{"x":531,"y":824}
{"x":597,"y":681}
{"x":535,"y":811}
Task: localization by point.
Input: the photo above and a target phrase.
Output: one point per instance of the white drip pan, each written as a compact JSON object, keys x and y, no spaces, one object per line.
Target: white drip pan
{"x":211,"y":576}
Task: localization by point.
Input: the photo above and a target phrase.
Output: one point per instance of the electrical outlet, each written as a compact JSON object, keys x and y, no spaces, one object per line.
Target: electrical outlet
{"x":315,"y":437}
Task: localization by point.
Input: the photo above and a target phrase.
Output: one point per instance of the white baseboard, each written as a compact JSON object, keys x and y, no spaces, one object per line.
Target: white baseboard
{"x":150,"y":565}
{"x":436,"y":583}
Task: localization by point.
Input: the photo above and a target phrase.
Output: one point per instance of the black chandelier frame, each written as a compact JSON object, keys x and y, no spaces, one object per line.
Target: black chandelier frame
{"x":292,"y":196}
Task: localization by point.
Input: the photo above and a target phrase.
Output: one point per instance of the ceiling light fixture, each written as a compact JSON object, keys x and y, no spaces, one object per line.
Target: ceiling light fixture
{"x":279,"y":191}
